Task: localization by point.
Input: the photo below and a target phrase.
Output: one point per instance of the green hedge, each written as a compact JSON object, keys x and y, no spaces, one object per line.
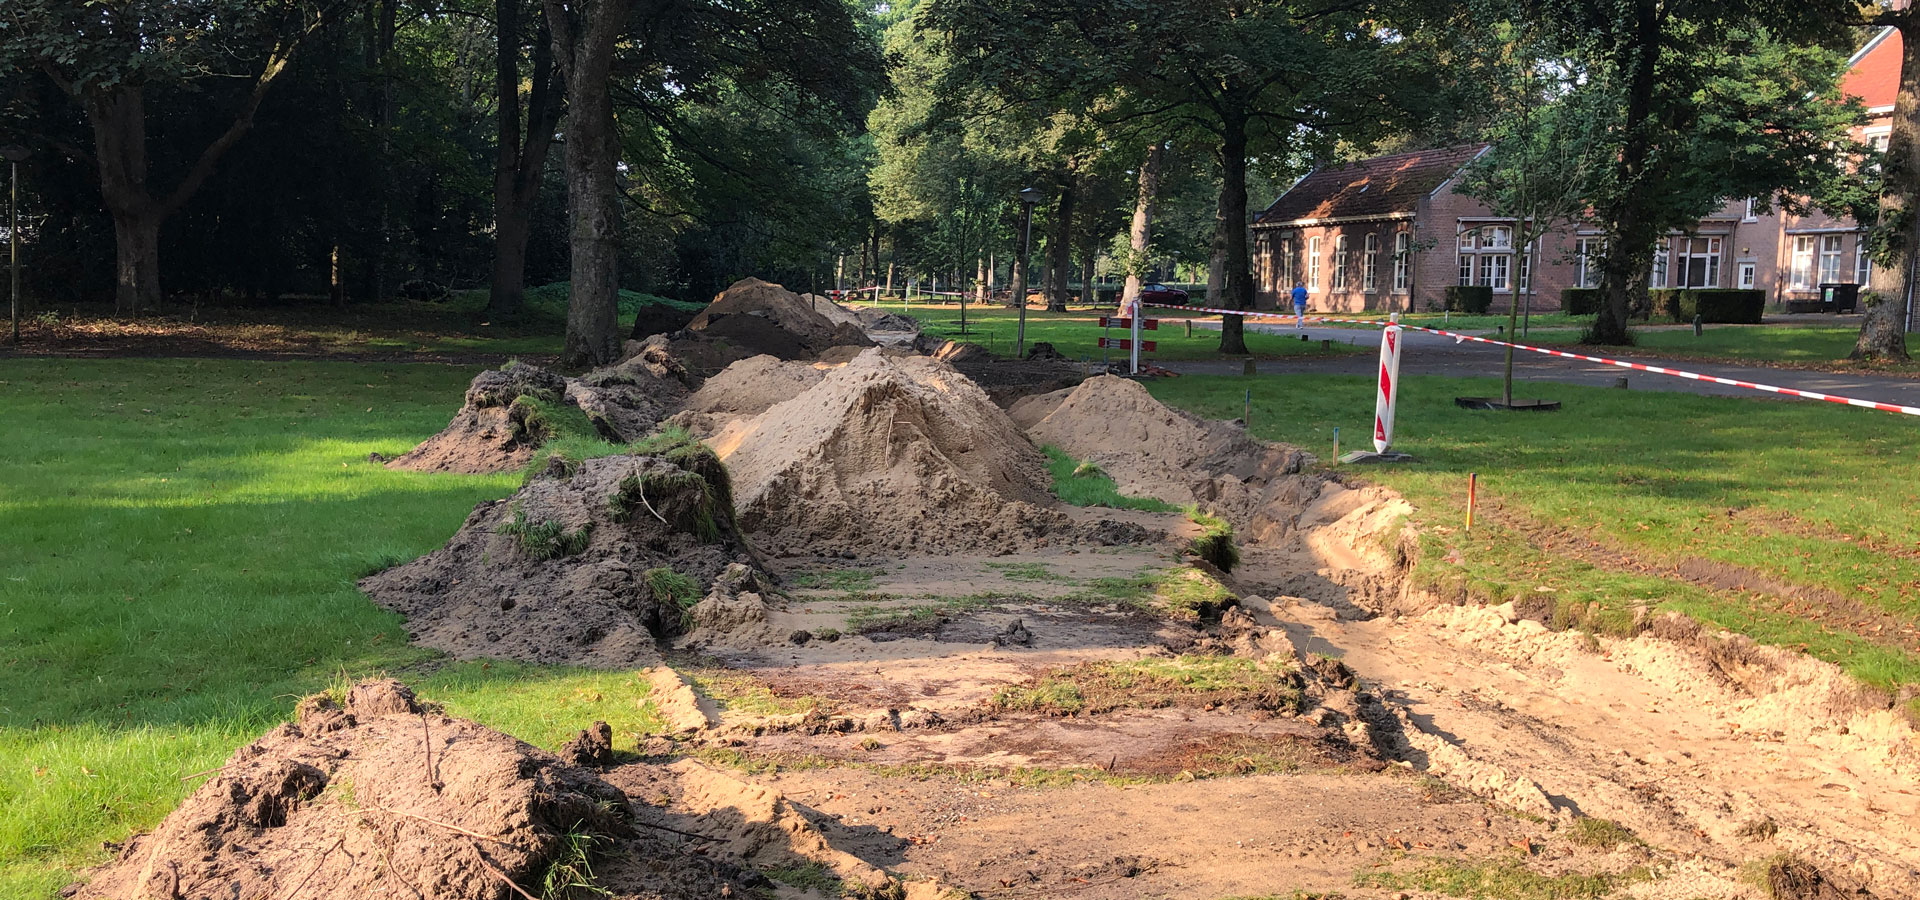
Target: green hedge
{"x":1713,"y":305}
{"x":1724,"y":306}
{"x":1580,"y":301}
{"x":1469,"y":299}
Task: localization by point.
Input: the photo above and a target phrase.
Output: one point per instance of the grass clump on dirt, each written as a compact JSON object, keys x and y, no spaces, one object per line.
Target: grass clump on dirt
{"x":741,"y":693}
{"x":1600,"y":834}
{"x":1085,"y":484}
{"x":695,"y":497}
{"x":836,"y":580}
{"x":1028,"y":572}
{"x":811,"y":877}
{"x":546,"y":540}
{"x":1498,"y":880}
{"x":1806,"y":494}
{"x":1186,"y":593}
{"x":674,"y":590}
{"x":570,"y":874}
{"x":1157,"y":683}
{"x":1215,"y":542}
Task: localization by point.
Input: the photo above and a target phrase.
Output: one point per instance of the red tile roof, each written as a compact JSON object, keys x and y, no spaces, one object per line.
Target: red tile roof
{"x":1370,"y":187}
{"x":1873,"y":74}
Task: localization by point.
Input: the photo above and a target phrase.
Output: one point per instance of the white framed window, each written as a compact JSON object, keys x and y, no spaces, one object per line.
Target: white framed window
{"x":1662,"y":251}
{"x":1313,"y":263}
{"x":1862,"y":261}
{"x":1402,"y":262}
{"x":1340,"y":263}
{"x":1587,"y":261}
{"x":1800,"y":277}
{"x":1286,"y":264}
{"x":1753,"y":210}
{"x":1746,"y":275}
{"x":1829,"y":258}
{"x":1699,"y":263}
{"x":1486,"y":255}
{"x":1524,"y":280}
{"x":1370,"y":264}
{"x":1493,"y":270}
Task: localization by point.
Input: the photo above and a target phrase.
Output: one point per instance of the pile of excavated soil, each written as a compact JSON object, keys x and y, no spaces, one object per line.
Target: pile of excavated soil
{"x":570,"y":568}
{"x":508,"y":412}
{"x":1154,"y":450}
{"x":888,"y":453}
{"x":496,"y":429}
{"x":758,"y":317}
{"x":384,"y":798}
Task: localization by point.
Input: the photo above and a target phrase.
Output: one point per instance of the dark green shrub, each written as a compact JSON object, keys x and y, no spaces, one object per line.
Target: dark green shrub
{"x":1580,"y":301}
{"x":1471,"y":299}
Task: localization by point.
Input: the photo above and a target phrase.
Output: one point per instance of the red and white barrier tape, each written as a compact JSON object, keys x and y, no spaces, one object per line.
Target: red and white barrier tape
{"x":1621,"y":363}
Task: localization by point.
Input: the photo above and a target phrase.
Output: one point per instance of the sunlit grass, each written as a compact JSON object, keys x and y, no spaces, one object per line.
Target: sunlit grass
{"x":179,"y":542}
{"x":1077,"y":334}
{"x":1741,"y":343}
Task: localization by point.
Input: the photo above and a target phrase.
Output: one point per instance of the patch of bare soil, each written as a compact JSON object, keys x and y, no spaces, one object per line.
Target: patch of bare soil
{"x":1262,"y":835}
{"x":382,"y":797}
{"x":1008,"y":380}
{"x":587,"y":564}
{"x":884,"y":454}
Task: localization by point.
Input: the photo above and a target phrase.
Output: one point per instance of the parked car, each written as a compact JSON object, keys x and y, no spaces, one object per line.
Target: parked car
{"x":1160,"y":293}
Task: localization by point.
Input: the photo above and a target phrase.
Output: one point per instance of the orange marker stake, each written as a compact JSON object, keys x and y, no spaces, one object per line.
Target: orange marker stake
{"x":1473,"y":481}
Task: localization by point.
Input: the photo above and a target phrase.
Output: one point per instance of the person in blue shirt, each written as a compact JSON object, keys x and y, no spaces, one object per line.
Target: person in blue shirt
{"x":1299,"y":305}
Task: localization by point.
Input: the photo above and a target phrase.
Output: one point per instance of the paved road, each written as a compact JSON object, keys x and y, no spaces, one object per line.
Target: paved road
{"x":1430,"y":354}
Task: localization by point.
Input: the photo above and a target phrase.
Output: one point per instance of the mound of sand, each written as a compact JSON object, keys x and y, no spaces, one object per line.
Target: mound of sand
{"x":1154,"y":450}
{"x":760,"y":317}
{"x":384,"y":798}
{"x":497,"y":428}
{"x":573,"y":567}
{"x":888,"y":453}
{"x":750,"y":386}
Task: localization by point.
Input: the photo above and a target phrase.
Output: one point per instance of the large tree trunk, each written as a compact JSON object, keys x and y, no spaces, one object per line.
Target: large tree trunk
{"x":1090,"y":254}
{"x":593,"y":196}
{"x":1141,"y":234}
{"x":519,"y":166}
{"x":1630,"y":229}
{"x":1060,"y":247}
{"x":119,"y":119}
{"x":1883,"y":333}
{"x":1231,"y":233}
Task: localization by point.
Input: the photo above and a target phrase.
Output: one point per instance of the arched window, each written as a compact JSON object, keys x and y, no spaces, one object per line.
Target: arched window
{"x":1370,"y":265}
{"x":1340,"y":263}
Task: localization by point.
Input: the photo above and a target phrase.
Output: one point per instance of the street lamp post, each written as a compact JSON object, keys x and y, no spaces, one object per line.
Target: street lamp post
{"x":13,"y":154}
{"x":1028,"y":197}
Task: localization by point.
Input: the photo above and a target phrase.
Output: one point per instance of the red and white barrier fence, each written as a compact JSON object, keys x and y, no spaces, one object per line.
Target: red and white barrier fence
{"x":1621,"y":363}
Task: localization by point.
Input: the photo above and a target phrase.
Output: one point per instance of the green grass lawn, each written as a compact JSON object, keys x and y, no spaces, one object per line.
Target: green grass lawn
{"x":1808,"y":493}
{"x":1076,"y":333}
{"x":179,"y":541}
{"x":1742,"y":343}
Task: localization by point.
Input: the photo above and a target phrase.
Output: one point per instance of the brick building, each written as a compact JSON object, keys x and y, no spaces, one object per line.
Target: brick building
{"x":1389,"y":234}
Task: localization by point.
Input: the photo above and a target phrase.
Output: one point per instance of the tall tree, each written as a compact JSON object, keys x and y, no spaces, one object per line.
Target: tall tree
{"x":107,"y":55}
{"x":1703,"y":101}
{"x":1256,"y":77}
{"x":1896,"y":234}
{"x":663,"y":57}
{"x":520,"y":161}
